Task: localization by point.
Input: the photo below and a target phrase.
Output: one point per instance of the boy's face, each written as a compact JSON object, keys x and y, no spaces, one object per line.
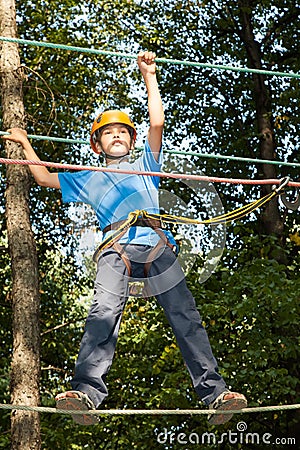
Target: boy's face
{"x":115,"y":140}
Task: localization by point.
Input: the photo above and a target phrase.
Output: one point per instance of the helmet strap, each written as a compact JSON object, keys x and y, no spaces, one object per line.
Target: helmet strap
{"x":114,"y":158}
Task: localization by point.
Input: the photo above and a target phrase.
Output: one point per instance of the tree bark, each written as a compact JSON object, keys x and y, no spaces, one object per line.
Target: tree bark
{"x":25,"y":367}
{"x":271,"y":220}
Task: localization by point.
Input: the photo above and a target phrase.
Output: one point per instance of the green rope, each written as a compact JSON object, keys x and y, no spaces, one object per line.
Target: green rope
{"x":153,"y":412}
{"x":175,"y":152}
{"x":159,"y":60}
{"x":233,"y":158}
{"x":51,"y":138}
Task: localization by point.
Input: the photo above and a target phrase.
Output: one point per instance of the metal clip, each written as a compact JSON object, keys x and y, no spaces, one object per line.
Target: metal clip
{"x":293,"y":205}
{"x":283,"y":183}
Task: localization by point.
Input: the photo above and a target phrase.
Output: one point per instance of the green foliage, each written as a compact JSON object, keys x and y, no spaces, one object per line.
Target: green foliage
{"x":250,"y":305}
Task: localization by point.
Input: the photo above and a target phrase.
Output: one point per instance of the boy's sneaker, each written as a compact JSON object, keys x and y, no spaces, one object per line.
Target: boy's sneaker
{"x":226,"y":401}
{"x":77,"y":401}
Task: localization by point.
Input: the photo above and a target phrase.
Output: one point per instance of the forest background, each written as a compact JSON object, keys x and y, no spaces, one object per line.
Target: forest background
{"x":250,"y":301}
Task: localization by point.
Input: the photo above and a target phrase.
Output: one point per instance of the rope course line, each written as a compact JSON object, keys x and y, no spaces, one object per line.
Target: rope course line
{"x":152,"y":412}
{"x":174,"y":175}
{"x":143,"y":215}
{"x":52,"y":138}
{"x":159,"y":60}
{"x":233,"y":158}
{"x":176,"y":152}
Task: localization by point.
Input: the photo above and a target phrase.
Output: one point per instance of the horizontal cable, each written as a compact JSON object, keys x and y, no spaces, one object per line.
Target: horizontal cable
{"x":25,"y":162}
{"x":175,"y":152}
{"x":143,"y":216}
{"x":159,"y":60}
{"x":151,"y":412}
{"x":51,"y":138}
{"x":233,"y":158}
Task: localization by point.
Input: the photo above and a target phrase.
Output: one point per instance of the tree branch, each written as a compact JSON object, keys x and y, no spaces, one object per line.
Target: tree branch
{"x":61,"y":326}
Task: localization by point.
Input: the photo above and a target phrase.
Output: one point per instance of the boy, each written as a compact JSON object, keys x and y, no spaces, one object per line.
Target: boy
{"x":144,"y":246}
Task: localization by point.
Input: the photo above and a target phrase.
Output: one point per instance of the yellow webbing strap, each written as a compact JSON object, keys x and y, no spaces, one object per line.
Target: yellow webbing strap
{"x":115,"y":236}
{"x":224,"y":218}
{"x":169,"y":218}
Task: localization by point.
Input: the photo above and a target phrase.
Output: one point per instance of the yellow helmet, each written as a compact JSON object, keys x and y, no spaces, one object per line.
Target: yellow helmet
{"x":107,"y":118}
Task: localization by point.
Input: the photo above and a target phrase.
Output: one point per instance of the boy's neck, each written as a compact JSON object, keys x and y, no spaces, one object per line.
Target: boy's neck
{"x":117,"y":161}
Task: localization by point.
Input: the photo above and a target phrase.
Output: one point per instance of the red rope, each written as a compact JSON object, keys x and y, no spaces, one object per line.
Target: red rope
{"x":25,"y":162}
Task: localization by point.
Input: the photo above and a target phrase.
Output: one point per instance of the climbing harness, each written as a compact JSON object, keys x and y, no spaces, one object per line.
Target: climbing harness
{"x":158,"y":222}
{"x":136,"y":218}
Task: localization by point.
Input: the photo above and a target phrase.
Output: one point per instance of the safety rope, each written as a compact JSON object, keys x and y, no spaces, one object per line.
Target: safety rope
{"x":152,"y":412}
{"x":175,"y":152}
{"x":232,"y":158}
{"x":174,"y":175}
{"x":52,"y":138}
{"x":134,"y":216}
{"x":159,"y":60}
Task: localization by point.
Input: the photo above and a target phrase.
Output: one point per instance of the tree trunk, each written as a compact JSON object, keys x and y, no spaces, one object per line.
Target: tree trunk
{"x":25,"y":369}
{"x":271,"y":221}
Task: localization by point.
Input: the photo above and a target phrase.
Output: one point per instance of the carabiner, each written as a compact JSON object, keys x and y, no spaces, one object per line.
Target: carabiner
{"x":293,"y":205}
{"x":283,"y":182}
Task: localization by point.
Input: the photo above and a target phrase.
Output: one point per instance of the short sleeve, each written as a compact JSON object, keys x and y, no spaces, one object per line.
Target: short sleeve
{"x":74,"y":186}
{"x":147,"y":162}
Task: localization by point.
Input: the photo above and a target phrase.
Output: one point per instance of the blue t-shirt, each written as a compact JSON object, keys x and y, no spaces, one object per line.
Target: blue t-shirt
{"x":114,"y":195}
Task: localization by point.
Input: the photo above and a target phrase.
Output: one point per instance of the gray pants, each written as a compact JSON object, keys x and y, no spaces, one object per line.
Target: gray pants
{"x":102,"y":326}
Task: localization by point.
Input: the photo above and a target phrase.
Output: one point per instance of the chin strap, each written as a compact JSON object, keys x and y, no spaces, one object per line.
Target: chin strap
{"x":114,"y":158}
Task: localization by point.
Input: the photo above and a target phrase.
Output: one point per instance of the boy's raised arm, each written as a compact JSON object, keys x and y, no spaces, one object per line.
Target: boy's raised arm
{"x":40,"y":173}
{"x":147,"y":66}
